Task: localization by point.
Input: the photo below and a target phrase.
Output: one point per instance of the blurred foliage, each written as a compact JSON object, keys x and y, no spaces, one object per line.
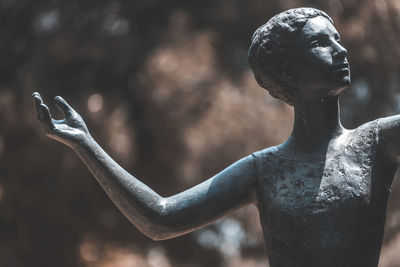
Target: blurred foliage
{"x":165,"y":88}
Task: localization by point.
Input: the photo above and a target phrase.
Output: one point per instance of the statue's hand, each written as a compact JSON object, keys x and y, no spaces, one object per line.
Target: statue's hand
{"x":71,"y":130}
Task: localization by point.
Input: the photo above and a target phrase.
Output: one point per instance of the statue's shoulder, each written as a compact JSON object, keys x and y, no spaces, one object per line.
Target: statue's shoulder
{"x":365,"y":135}
{"x":266,"y":155}
{"x":387,"y":132}
{"x":388,"y":124}
{"x":369,"y":126}
{"x":268,"y":164}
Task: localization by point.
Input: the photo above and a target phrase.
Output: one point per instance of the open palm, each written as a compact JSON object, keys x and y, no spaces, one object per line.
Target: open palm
{"x":71,"y":130}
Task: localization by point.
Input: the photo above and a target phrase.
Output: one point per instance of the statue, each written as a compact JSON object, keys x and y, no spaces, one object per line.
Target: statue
{"x":322,"y":194}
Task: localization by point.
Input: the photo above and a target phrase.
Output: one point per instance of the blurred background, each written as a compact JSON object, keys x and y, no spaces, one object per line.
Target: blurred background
{"x":165,"y":88}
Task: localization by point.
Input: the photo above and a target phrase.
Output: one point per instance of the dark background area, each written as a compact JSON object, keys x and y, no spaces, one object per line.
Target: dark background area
{"x":165,"y":88}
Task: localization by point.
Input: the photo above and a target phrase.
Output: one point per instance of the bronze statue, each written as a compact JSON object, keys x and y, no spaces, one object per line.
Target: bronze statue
{"x":322,"y":194}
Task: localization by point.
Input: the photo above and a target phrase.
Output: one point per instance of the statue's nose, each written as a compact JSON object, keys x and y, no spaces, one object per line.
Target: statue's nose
{"x":340,"y":51}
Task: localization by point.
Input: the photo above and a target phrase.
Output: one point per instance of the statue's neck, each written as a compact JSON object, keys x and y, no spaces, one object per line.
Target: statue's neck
{"x":317,"y":121}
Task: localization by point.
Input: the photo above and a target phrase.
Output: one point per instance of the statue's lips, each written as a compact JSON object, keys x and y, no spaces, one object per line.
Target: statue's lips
{"x":344,"y":66}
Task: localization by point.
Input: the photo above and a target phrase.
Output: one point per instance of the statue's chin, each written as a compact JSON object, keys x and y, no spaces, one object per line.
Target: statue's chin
{"x":342,"y":85}
{"x":338,"y":90}
{"x":347,"y":80}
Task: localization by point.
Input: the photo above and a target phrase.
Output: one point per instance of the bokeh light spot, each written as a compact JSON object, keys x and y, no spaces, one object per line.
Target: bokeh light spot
{"x":89,"y":252}
{"x":47,"y":21}
{"x":95,"y":103}
{"x":157,"y":258}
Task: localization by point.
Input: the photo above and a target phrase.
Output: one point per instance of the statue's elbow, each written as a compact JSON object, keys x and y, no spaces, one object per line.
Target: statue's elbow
{"x":160,"y":228}
{"x":154,"y":236}
{"x":160,"y":237}
{"x":159,"y":223}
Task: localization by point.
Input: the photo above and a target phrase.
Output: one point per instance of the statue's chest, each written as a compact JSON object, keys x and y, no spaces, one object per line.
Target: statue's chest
{"x":340,"y":182}
{"x":314,"y":188}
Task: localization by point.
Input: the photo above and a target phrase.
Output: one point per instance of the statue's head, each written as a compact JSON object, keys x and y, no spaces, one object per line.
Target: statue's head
{"x":299,"y":48}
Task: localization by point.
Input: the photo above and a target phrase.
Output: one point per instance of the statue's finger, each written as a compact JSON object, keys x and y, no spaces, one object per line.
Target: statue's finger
{"x":63,"y":106}
{"x":47,"y":120}
{"x":37,"y":100}
{"x":39,"y":111}
{"x":36,"y":94}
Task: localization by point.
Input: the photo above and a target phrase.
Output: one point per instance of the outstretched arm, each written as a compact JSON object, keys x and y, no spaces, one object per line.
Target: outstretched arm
{"x":156,"y":216}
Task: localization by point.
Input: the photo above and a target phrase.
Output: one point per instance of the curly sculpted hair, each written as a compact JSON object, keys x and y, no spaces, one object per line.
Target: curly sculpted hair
{"x":271,"y":49}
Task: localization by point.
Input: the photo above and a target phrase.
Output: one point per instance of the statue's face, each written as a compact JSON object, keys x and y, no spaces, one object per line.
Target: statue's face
{"x":321,"y":68}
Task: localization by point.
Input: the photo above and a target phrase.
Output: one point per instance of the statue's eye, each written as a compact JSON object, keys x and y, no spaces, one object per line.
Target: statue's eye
{"x":337,"y":38}
{"x":315,"y":43}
